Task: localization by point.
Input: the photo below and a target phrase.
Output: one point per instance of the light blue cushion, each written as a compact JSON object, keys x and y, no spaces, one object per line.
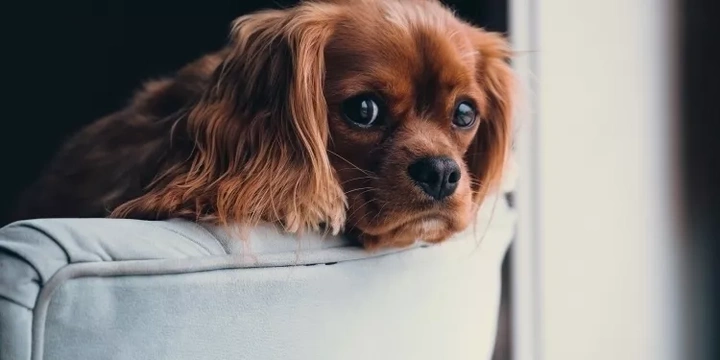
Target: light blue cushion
{"x":93,"y":289}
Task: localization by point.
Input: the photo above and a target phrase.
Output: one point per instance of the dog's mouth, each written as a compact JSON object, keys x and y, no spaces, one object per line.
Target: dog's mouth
{"x":418,"y":224}
{"x":372,"y":210}
{"x":421,"y":222}
{"x":395,"y":214}
{"x":425,"y":227}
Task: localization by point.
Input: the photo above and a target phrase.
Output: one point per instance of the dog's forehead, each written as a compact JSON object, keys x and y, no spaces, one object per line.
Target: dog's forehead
{"x":400,"y":52}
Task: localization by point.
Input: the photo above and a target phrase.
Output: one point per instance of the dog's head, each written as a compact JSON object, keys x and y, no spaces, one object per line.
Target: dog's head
{"x":388,"y":118}
{"x":419,"y":112}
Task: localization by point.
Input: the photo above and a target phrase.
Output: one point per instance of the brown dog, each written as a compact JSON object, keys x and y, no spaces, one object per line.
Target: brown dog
{"x":389,"y":119}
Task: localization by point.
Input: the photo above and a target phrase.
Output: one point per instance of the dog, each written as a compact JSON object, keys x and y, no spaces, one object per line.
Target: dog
{"x":387,"y":120}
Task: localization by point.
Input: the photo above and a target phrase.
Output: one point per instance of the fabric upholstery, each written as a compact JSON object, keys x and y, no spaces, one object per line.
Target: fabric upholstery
{"x":80,"y":289}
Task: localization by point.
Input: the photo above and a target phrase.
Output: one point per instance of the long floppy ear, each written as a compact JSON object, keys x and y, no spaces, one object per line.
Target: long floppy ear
{"x":259,"y":132}
{"x":487,"y":154}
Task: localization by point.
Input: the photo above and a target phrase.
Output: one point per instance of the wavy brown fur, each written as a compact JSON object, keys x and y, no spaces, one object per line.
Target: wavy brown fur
{"x":253,"y":133}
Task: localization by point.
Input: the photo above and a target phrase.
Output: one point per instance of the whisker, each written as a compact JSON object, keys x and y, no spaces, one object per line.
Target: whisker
{"x":366,"y":191}
{"x":366,"y":172}
{"x":360,"y":219}
{"x":358,"y":208}
{"x":476,"y":182}
{"x":359,"y":178}
{"x":379,"y":212}
{"x":358,"y":189}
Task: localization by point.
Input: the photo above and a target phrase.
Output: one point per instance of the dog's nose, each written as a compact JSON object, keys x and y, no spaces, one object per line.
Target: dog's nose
{"x":437,"y":176}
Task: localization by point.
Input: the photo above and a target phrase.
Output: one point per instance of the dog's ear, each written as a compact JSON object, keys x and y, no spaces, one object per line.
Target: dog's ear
{"x":260,"y":131}
{"x":488,"y":152}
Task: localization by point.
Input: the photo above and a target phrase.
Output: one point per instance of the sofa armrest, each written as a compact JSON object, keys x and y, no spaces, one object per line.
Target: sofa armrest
{"x":127,"y":289}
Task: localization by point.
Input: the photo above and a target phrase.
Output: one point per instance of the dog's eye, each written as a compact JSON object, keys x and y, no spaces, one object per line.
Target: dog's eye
{"x":363,"y":110}
{"x":464,"y":115}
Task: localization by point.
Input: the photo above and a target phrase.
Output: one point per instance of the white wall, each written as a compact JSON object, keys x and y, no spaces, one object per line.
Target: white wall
{"x":596,"y":264}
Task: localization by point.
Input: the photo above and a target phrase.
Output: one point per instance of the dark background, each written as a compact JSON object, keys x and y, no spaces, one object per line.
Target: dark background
{"x":68,"y":63}
{"x":700,"y":153}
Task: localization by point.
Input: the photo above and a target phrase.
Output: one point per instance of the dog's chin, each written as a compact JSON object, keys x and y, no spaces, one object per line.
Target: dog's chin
{"x":377,"y":221}
{"x":407,"y":230}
